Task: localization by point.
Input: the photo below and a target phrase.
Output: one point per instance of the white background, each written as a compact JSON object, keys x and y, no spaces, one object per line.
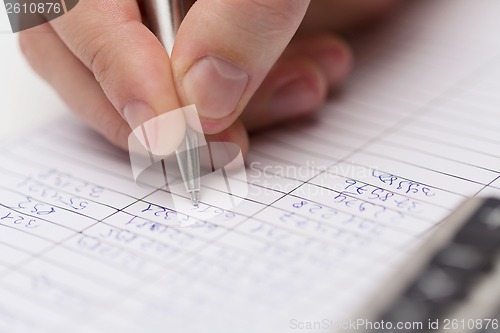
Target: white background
{"x":26,"y":101}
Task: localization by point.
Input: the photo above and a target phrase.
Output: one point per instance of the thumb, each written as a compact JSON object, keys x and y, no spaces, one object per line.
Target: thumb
{"x":225,"y":48}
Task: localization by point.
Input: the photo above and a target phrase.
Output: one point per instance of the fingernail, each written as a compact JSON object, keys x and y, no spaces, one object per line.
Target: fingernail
{"x":159,"y":134}
{"x":295,"y":97}
{"x":215,"y":86}
{"x":136,"y":113}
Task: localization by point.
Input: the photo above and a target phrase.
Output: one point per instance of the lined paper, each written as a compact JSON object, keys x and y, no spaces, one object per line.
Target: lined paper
{"x":335,"y":201}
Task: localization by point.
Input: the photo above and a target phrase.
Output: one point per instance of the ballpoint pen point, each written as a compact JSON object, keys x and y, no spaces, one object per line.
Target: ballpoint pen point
{"x":195,"y":198}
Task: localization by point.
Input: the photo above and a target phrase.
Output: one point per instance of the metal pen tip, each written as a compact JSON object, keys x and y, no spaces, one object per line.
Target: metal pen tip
{"x":195,"y":198}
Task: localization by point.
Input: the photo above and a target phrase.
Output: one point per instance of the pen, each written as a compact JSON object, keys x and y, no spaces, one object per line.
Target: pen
{"x":165,"y":17}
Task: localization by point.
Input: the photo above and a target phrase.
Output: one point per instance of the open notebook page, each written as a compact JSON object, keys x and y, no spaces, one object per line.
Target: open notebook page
{"x":335,"y":201}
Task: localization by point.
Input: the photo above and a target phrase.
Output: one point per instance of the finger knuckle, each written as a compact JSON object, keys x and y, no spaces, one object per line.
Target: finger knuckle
{"x":94,"y":44}
{"x":100,"y":64}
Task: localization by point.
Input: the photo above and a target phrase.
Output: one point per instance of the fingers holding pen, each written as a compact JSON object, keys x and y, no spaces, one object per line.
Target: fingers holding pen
{"x":107,"y":65}
{"x":224,"y":50}
{"x":126,"y":59}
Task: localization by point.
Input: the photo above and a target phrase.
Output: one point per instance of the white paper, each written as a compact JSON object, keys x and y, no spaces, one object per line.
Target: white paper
{"x":334,"y":202}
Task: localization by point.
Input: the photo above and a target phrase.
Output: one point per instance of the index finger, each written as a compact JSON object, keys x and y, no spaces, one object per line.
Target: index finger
{"x":128,"y":61}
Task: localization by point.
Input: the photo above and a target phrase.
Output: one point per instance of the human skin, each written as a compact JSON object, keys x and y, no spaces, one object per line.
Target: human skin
{"x":246,"y":64}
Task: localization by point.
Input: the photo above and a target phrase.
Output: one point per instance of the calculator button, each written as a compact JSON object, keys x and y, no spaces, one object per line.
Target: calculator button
{"x":409,"y":309}
{"x":450,"y":275}
{"x":486,"y":218}
{"x":439,"y":288}
{"x":463,"y":257}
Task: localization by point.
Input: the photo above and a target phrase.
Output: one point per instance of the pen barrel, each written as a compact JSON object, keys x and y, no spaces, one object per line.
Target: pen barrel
{"x":188,"y":159}
{"x":164,"y":18}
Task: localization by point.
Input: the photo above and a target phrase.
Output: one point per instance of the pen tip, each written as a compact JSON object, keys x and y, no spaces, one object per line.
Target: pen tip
{"x":195,"y":198}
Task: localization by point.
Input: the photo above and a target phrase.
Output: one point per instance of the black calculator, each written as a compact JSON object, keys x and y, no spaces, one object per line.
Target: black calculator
{"x":452,"y":283}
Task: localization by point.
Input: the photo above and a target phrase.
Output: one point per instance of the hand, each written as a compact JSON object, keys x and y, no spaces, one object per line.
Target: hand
{"x":237,"y":60}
